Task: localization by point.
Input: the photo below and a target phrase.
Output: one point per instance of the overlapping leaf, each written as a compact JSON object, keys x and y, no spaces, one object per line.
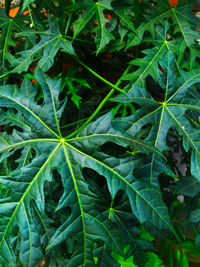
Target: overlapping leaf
{"x":185,"y":24}
{"x":86,"y":222}
{"x":51,"y":41}
{"x":179,"y":98}
{"x":148,"y":65}
{"x":182,"y":17}
{"x":188,"y":186}
{"x":79,"y":201}
{"x":8,"y":26}
{"x":94,"y":10}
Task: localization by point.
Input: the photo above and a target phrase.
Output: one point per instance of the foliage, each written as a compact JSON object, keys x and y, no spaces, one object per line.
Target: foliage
{"x":99,"y":135}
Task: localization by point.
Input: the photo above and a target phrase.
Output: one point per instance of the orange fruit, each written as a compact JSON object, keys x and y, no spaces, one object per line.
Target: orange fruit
{"x":173,"y":3}
{"x":13,"y":12}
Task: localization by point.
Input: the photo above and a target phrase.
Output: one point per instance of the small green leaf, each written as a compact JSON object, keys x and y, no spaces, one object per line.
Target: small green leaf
{"x":153,"y":260}
{"x":26,"y":3}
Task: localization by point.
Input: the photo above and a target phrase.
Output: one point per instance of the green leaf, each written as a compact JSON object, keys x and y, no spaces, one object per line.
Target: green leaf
{"x":150,"y":167}
{"x":188,"y":186}
{"x":190,"y":247}
{"x":194,"y":216}
{"x":184,"y":260}
{"x":154,"y":260}
{"x":26,"y":3}
{"x":148,"y":65}
{"x":73,"y":83}
{"x":125,"y":263}
{"x":182,"y":36}
{"x":120,"y":213}
{"x":51,"y":41}
{"x":8,"y":26}
{"x":51,"y":151}
{"x":94,"y":11}
{"x":126,"y":20}
{"x":179,"y":97}
{"x":181,"y":16}
{"x":81,"y":189}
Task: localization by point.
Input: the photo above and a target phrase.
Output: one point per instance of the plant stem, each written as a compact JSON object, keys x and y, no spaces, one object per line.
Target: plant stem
{"x":75,"y":39}
{"x":100,"y":106}
{"x":31,"y":16}
{"x":84,"y":119}
{"x":191,"y":120}
{"x":115,"y":86}
{"x":5,"y":74}
{"x":68,"y":22}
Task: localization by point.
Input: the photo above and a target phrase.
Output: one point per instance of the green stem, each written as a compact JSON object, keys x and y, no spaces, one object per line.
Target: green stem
{"x":76,"y":39}
{"x":111,"y":206}
{"x":68,"y":22}
{"x":174,"y":134}
{"x":35,"y":59}
{"x":93,"y":115}
{"x":73,"y":123}
{"x":170,"y":256}
{"x":5,"y":74}
{"x":76,"y":122}
{"x":99,"y":107}
{"x":115,"y":86}
{"x":32,"y":22}
{"x":191,"y":120}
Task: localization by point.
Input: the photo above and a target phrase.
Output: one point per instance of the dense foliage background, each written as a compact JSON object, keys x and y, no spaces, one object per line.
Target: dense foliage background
{"x":99,"y":133}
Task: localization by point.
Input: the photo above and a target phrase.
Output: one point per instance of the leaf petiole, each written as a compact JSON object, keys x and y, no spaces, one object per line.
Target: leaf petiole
{"x":100,"y":105}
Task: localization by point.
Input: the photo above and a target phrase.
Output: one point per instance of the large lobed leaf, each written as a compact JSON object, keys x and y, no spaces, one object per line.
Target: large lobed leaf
{"x":156,"y":29}
{"x":94,"y":10}
{"x":27,"y":239}
{"x":181,"y":16}
{"x":51,"y":41}
{"x":179,"y":99}
{"x":78,"y":201}
{"x":8,"y":26}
